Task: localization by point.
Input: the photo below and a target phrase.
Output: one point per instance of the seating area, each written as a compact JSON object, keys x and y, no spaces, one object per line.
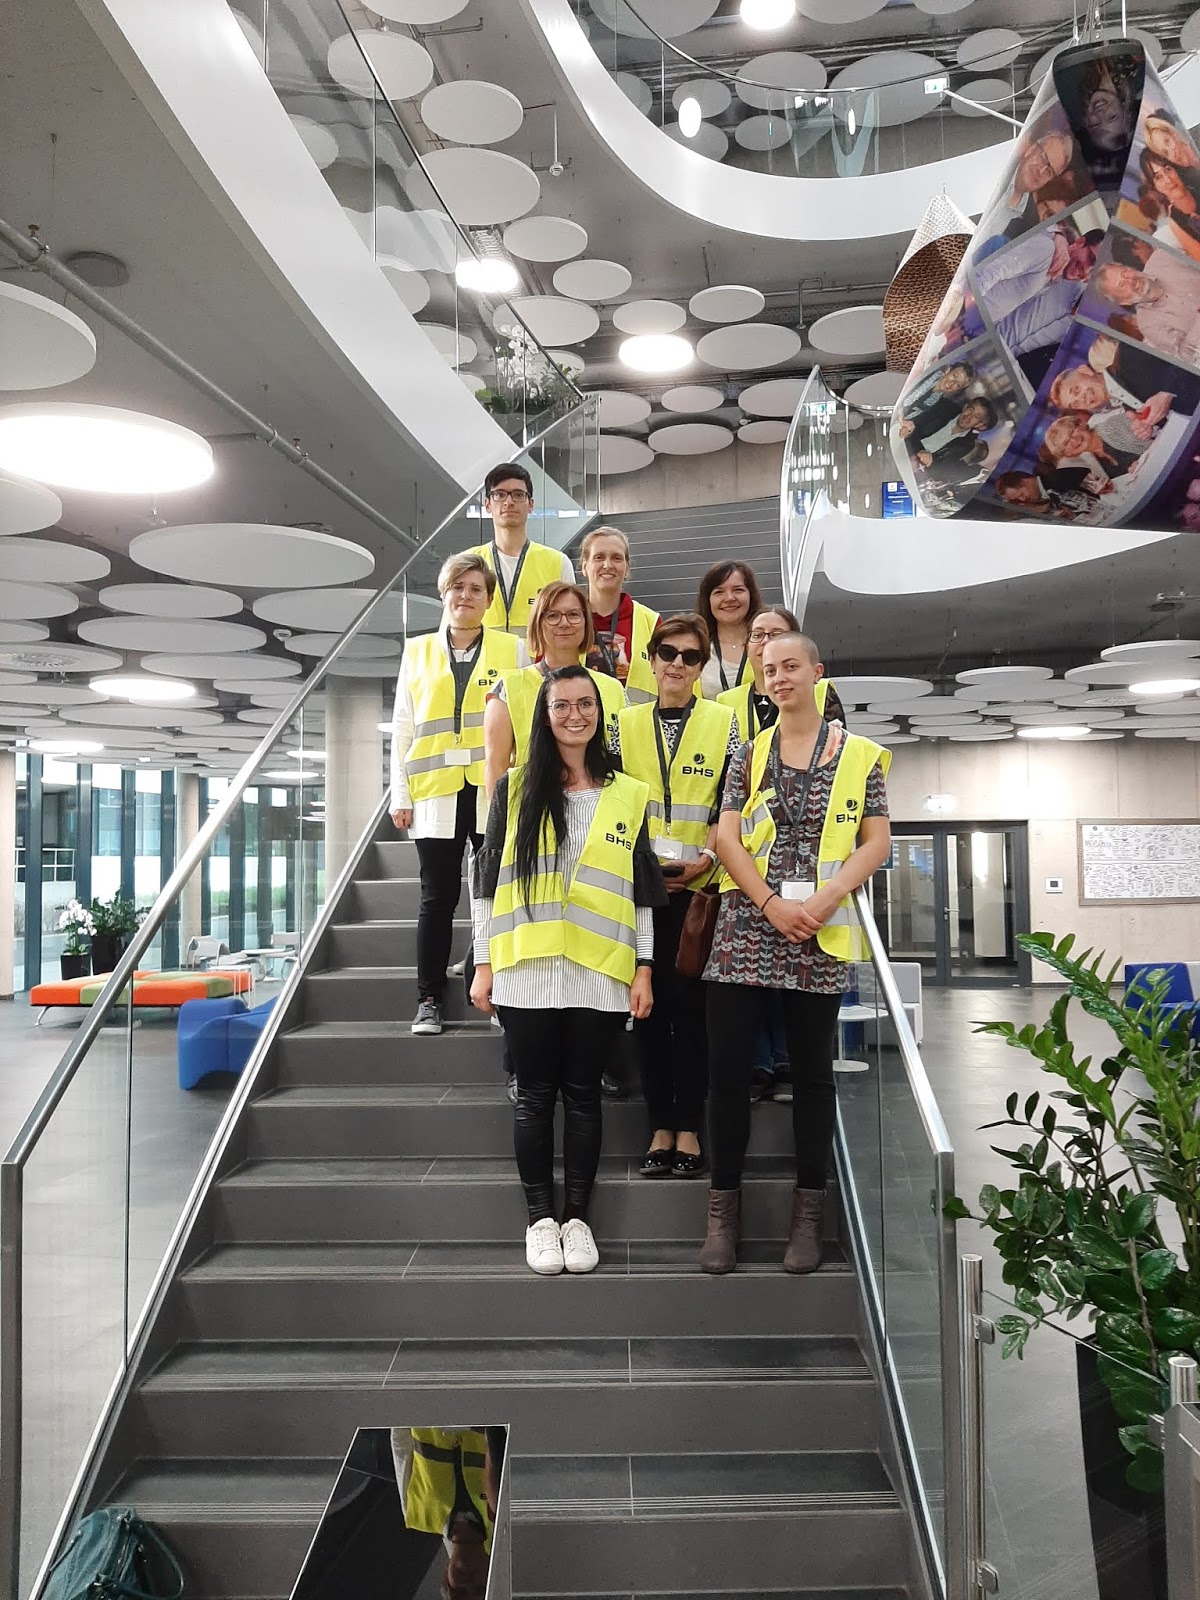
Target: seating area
{"x":168,"y":990}
{"x":218,"y":1035}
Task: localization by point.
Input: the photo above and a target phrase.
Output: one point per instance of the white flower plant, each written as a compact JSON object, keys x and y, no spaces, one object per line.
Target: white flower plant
{"x":77,"y":923}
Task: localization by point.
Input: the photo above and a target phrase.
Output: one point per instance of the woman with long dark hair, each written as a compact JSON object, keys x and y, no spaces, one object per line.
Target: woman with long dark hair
{"x":729,"y":596}
{"x":563,"y":898}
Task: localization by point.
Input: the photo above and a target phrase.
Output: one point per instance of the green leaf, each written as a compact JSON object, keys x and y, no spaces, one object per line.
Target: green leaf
{"x":989,"y":1200}
{"x":955,"y":1210}
{"x":1175,"y":1329}
{"x":1133,"y":1437}
{"x":1137,"y":1214}
{"x":1156,"y":1268}
{"x":1097,"y":1249}
{"x":1120,"y":1334}
{"x":1031,"y":1105}
{"x":1011,"y":1104}
{"x":1010,"y":1324}
{"x":1145,"y":1471}
{"x":1108,"y":1292}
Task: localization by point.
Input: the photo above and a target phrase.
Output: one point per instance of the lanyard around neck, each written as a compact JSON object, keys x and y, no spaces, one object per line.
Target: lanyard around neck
{"x":725,"y":683}
{"x":461,"y":672}
{"x":795,"y":820}
{"x":665,"y":765}
{"x":506,"y":594}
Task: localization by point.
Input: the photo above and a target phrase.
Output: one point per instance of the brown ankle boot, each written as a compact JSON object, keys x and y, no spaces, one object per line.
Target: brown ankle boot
{"x":803,"y":1253}
{"x":719,"y":1252}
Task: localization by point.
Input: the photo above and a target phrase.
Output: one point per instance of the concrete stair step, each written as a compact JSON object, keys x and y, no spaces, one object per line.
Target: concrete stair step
{"x":387,"y":941}
{"x":387,"y":1053}
{"x":373,"y":899}
{"x":376,"y":994}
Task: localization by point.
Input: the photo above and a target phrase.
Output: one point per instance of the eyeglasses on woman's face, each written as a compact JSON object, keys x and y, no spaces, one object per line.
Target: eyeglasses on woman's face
{"x":565,"y":619}
{"x":560,"y":710}
{"x":761,"y":635}
{"x":690,"y":657}
{"x":502,"y":497}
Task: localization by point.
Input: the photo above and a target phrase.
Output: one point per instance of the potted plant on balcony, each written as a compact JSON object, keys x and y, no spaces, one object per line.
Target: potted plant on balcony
{"x":528,"y":385}
{"x":1106,"y":1170}
{"x":76,"y":922}
{"x":114,"y":920}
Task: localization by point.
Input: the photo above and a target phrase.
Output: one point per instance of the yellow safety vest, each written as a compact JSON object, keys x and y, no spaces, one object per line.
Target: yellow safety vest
{"x":641,"y":684}
{"x":431,"y":1486}
{"x":521,"y":691}
{"x":432,"y":682}
{"x":593,"y":920}
{"x":695,"y":771}
{"x":741,"y":699}
{"x":541,"y":566}
{"x":841,"y":936}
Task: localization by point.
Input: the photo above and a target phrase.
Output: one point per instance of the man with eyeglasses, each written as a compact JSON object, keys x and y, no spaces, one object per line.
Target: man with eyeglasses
{"x":522,"y":568}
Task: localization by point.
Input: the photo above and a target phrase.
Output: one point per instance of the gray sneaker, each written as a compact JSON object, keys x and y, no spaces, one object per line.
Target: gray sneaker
{"x":428,"y":1018}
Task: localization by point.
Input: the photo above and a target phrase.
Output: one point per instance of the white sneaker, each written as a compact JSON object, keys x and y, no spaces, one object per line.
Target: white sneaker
{"x":578,"y":1247}
{"x":543,"y":1248}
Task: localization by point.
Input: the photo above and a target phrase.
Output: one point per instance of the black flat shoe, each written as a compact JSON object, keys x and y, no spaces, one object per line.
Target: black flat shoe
{"x":657,"y":1163}
{"x":686,"y":1165}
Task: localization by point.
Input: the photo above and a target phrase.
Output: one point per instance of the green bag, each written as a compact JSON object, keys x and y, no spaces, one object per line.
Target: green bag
{"x":106,"y":1558}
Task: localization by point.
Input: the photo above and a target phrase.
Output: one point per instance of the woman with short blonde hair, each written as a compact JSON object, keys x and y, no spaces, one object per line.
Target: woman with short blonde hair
{"x":622,"y":625}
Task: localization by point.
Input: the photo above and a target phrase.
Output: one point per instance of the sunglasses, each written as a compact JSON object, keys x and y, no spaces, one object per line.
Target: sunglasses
{"x":690,"y":658}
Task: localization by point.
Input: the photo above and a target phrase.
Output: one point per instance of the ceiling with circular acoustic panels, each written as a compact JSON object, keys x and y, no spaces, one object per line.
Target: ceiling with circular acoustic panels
{"x":321,"y":145}
{"x":649,"y":316}
{"x":545,"y":239}
{"x":49,"y":694}
{"x":246,"y":668}
{"x":170,"y":600}
{"x":26,"y":507}
{"x":839,"y":12}
{"x":43,"y":655}
{"x":1151,"y":650}
{"x":769,"y":131}
{"x":693,"y":397}
{"x":777,"y":397}
{"x":570,"y":361}
{"x":403,"y":67}
{"x":690,"y":439}
{"x":621,"y":410}
{"x":363,"y":647}
{"x":142,"y":717}
{"x":710,"y":94}
{"x":21,"y":600}
{"x":771,"y":82}
{"x":1189,"y":37}
{"x":593,"y":280}
{"x":666,"y":19}
{"x":418,"y":241}
{"x":251,"y":555}
{"x":326,"y":610}
{"x":767,"y":431}
{"x":635,"y":89}
{"x":342,"y":668}
{"x":411,"y":287}
{"x":1003,"y":680}
{"x":708,"y":141}
{"x":896,"y":81}
{"x":861,"y":691}
{"x":287,"y":690}
{"x":619,"y":455}
{"x":471,"y":111}
{"x":748,"y":345}
{"x":481,"y":188}
{"x":990,"y":50}
{"x":42,"y":344}
{"x":853,"y":331}
{"x":987,"y":91}
{"x":726,"y":302}
{"x":162,"y":633}
{"x":878,"y":391}
{"x":33,"y":560}
{"x":451,"y":344}
{"x":553,"y":319}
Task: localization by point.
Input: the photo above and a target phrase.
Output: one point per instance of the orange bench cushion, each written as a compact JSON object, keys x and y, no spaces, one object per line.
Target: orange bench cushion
{"x":149,"y":988}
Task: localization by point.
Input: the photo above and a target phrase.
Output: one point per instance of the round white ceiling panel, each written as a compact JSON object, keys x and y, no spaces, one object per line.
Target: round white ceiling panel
{"x":934,"y":707}
{"x":160,"y":633}
{"x":473,"y":382}
{"x":321,"y":145}
{"x":771,"y":82}
{"x":777,"y":397}
{"x":846,"y":421}
{"x":990,"y":50}
{"x":19,"y":600}
{"x":363,"y":647}
{"x":470,"y":111}
{"x":1189,"y":38}
{"x":35,"y":560}
{"x":896,"y":81}
{"x":415,"y":241}
{"x":26,"y":507}
{"x":1072,"y":696}
{"x":649,"y":316}
{"x":42,"y":655}
{"x":1106,"y":674}
{"x":134,"y":716}
{"x":170,"y":600}
{"x":1183,"y":710}
{"x":981,"y":736}
{"x":1004,"y":680}
{"x":620,"y":410}
{"x":262,"y":716}
{"x":708,"y":141}
{"x":287,"y":690}
{"x":1042,"y":65}
{"x":329,"y":610}
{"x":553,"y":319}
{"x":342,"y":668}
{"x":769,"y":131}
{"x":901,"y":738}
{"x":246,"y":668}
{"x":668,"y":19}
{"x":278,"y":699}
{"x":14,"y":679}
{"x":635,"y":89}
{"x":853,"y":331}
{"x":593,"y":280}
{"x":987,"y":91}
{"x":451,"y":344}
{"x":942,"y":8}
{"x":884,"y":691}
{"x":50,"y":694}
{"x":411,"y":287}
{"x":403,"y":67}
{"x":545,"y":239}
{"x":769,"y":431}
{"x":570,"y":361}
{"x":42,"y":344}
{"x":1161,"y":733}
{"x":693,"y":397}
{"x":480,"y":188}
{"x":726,"y":302}
{"x":878,"y":391}
{"x":690,"y":439}
{"x":710,"y":94}
{"x":251,"y":555}
{"x":618,"y":455}
{"x":419,"y":13}
{"x":1153,"y":650}
{"x":838,"y":12}
{"x":748,"y":345}
{"x":23,"y":632}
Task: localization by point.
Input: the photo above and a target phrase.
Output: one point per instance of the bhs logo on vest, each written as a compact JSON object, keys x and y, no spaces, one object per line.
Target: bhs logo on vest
{"x":850,"y":813}
{"x":697,"y":768}
{"x":620,"y":837}
{"x":485,"y":681}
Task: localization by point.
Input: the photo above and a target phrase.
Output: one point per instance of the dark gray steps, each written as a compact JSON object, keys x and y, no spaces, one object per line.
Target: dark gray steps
{"x":376,"y":994}
{"x":390,"y":858}
{"x":389,"y":941}
{"x":387,"y":1053}
{"x":381,"y":899}
{"x":459,"y":1197}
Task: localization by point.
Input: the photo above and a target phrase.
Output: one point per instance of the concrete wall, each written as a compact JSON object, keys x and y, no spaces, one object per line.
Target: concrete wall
{"x":739,"y":472}
{"x":1050,"y":786}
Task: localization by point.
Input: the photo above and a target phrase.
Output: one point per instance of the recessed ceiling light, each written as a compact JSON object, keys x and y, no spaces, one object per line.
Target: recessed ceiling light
{"x":690,"y":117}
{"x":1066,"y":731}
{"x":101,"y":449}
{"x":1165,"y":686}
{"x":656,"y":352}
{"x":65,"y":747}
{"x":767,"y":14}
{"x":308,"y":755}
{"x":292,"y":777}
{"x":487,"y":275}
{"x":158,"y":691}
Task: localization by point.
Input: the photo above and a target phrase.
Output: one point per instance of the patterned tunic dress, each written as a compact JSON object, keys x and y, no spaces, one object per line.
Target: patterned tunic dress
{"x":746,"y":947}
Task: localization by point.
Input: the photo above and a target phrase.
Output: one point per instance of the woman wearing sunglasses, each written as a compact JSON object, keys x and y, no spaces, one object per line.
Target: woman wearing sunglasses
{"x":678,"y":746}
{"x":562,"y":901}
{"x":560,"y":635}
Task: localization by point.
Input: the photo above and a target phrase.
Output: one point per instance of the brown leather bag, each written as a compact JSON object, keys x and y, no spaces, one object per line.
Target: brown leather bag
{"x":696,"y":936}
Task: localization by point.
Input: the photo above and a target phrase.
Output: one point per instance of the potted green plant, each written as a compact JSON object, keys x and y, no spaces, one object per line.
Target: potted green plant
{"x":1102,"y":1161}
{"x":115,"y":920}
{"x":76,"y":922}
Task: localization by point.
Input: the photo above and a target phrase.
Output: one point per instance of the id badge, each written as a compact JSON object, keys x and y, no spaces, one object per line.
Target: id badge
{"x":795,"y":889}
{"x":668,"y":849}
{"x":457,"y":757}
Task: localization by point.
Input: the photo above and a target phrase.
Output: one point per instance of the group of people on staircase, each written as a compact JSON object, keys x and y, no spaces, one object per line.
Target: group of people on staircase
{"x":606,"y":765}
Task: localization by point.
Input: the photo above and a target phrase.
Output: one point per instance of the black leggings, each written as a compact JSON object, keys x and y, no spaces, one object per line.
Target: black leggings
{"x":559,"y":1052}
{"x":441,"y":884}
{"x":735,"y":1014}
{"x":671,"y":1042}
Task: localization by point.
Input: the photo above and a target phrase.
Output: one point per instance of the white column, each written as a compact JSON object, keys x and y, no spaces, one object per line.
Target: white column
{"x":353,"y":767}
{"x":187,"y":826}
{"x":8,"y":856}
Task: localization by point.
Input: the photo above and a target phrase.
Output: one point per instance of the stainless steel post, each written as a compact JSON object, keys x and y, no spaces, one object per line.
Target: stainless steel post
{"x":11,"y":1197}
{"x":1181,"y":1481}
{"x":981,"y":1578}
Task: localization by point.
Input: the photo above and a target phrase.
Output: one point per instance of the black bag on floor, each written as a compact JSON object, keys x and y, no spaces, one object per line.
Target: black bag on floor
{"x":108,"y":1558}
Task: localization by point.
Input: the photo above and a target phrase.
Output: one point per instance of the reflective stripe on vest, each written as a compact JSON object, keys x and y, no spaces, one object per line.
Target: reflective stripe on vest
{"x":739,"y":699}
{"x":641,"y":685}
{"x":594,"y":921}
{"x":541,"y":566}
{"x":695,"y":772}
{"x":432,"y":685}
{"x":841,"y":935}
{"x":432,"y":1491}
{"x":521,"y":691}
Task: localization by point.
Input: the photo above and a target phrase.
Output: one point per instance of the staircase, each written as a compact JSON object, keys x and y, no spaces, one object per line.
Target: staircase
{"x":359,"y":1261}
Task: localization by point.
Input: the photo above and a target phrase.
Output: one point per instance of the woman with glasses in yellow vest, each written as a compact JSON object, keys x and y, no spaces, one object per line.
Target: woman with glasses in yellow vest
{"x":560,"y":635}
{"x":678,"y":746}
{"x":563,"y":898}
{"x":803,"y":824}
{"x":622,"y":625}
{"x":437,"y":758}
